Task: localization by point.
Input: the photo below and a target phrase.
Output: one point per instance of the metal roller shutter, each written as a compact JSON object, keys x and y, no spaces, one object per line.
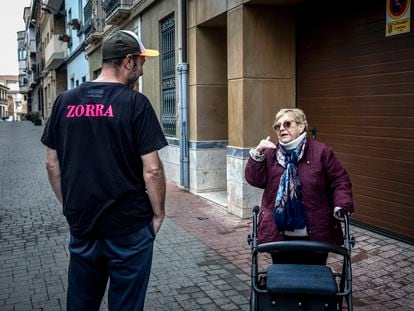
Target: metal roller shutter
{"x":356,"y":87}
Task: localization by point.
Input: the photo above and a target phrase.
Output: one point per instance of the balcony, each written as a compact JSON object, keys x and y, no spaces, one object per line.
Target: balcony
{"x":31,"y":81}
{"x":55,"y":53}
{"x":116,"y":10}
{"x":94,"y":22}
{"x":23,"y":84}
{"x":31,"y":62}
{"x":21,"y":35}
{"x":94,"y":38}
{"x":54,"y":3}
{"x":31,"y":47}
{"x":22,"y":64}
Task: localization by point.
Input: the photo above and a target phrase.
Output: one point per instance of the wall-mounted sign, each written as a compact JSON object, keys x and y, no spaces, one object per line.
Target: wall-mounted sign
{"x":398,"y":17}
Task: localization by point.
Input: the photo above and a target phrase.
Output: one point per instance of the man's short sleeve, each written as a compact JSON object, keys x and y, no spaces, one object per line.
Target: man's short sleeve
{"x":148,"y":132}
{"x":48,"y":137}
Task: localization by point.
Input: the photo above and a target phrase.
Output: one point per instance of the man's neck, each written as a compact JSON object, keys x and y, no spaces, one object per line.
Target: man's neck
{"x":108,"y":75}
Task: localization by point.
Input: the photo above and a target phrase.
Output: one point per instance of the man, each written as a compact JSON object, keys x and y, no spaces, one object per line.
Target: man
{"x":103,"y":166}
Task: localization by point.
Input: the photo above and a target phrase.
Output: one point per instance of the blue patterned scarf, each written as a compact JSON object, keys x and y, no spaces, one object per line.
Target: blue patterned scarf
{"x":289,"y":213}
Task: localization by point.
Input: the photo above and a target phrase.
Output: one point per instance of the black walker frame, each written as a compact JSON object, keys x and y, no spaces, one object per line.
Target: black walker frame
{"x":300,"y":287}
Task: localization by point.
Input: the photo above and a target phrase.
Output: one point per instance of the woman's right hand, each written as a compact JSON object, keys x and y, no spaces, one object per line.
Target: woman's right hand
{"x":265,"y":144}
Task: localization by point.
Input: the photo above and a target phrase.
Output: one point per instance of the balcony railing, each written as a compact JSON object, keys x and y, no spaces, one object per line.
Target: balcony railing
{"x":88,"y":21}
{"x":94,"y":22}
{"x":116,"y":10}
{"x":22,"y":64}
{"x":55,"y":53}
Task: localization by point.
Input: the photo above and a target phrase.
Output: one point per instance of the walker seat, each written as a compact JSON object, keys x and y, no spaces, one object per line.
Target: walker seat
{"x":300,"y":279}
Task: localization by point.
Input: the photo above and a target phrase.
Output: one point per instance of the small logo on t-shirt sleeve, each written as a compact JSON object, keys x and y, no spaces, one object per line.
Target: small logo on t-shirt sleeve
{"x":89,"y":110}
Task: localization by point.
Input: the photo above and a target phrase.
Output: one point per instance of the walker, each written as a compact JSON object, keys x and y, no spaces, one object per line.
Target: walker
{"x":300,"y":287}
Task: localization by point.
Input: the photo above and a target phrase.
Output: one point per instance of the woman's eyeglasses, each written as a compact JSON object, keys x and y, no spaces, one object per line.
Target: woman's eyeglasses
{"x":286,"y":125}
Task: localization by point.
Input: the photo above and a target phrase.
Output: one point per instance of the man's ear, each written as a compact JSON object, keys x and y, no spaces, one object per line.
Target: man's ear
{"x":129,"y":62}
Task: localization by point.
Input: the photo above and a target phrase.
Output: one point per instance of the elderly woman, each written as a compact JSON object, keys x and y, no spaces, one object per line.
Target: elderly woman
{"x":305,"y":189}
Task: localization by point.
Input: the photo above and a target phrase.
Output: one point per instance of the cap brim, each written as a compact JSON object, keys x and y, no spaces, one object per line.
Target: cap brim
{"x":150,"y":53}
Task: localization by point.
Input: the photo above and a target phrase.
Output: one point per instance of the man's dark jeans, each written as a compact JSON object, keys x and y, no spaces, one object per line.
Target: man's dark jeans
{"x":125,"y":260}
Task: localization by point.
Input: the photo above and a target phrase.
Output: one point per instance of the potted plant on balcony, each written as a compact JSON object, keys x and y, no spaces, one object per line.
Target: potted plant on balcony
{"x":74,"y":24}
{"x":64,"y":38}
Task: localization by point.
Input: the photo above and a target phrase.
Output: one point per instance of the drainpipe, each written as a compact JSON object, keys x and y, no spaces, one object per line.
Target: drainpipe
{"x":182,"y":69}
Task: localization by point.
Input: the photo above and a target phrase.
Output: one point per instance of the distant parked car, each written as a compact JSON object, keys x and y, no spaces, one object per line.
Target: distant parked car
{"x":9,"y":119}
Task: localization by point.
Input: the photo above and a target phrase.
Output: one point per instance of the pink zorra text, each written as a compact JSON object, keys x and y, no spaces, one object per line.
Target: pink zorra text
{"x":89,"y":110}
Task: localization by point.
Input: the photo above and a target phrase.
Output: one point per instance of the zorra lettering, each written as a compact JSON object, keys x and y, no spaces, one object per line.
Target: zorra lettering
{"x":89,"y":110}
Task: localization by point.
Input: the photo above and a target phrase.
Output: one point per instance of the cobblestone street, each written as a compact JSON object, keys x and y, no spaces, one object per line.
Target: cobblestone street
{"x":201,"y":259}
{"x":186,"y":274}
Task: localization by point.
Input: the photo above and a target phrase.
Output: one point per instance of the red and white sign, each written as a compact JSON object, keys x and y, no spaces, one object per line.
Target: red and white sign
{"x":398,"y":17}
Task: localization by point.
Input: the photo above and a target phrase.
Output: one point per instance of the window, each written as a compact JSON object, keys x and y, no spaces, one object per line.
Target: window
{"x":22,"y":54}
{"x":77,"y":82}
{"x":83,"y":79}
{"x":80,"y":11}
{"x":168,"y":115}
{"x":72,"y":83}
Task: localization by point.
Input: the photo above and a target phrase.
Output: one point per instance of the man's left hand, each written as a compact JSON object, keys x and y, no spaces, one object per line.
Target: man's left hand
{"x":156,"y":222}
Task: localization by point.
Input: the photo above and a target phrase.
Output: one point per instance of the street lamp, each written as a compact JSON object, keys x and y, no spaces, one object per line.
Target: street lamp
{"x":50,"y":10}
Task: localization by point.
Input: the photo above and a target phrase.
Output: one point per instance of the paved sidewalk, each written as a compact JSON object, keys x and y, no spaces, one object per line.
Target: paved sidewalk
{"x":383,"y":270}
{"x":201,"y":259}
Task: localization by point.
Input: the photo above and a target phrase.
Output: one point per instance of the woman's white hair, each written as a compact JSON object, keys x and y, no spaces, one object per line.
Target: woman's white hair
{"x":297,"y":115}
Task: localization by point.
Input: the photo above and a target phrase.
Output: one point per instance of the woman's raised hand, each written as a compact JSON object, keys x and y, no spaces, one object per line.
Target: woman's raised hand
{"x":265,"y":144}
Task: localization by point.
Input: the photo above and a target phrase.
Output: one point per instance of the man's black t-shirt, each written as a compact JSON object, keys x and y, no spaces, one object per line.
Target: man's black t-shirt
{"x":100,"y":130}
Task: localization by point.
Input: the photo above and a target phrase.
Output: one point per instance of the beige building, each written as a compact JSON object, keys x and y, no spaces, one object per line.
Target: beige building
{"x":54,"y":52}
{"x":33,"y":59}
{"x":16,"y":102}
{"x":3,"y":101}
{"x":248,"y":59}
{"x":230,"y":96}
{"x":241,"y":71}
{"x":22,"y":55}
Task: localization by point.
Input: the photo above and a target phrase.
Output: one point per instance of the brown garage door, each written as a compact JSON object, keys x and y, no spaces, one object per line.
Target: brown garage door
{"x":357,"y":88}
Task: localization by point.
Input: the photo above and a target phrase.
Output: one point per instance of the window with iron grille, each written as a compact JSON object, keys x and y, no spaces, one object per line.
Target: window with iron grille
{"x":168,"y":115}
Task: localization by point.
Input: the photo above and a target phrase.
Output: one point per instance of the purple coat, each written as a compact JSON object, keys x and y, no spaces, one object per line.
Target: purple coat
{"x":325,"y":184}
